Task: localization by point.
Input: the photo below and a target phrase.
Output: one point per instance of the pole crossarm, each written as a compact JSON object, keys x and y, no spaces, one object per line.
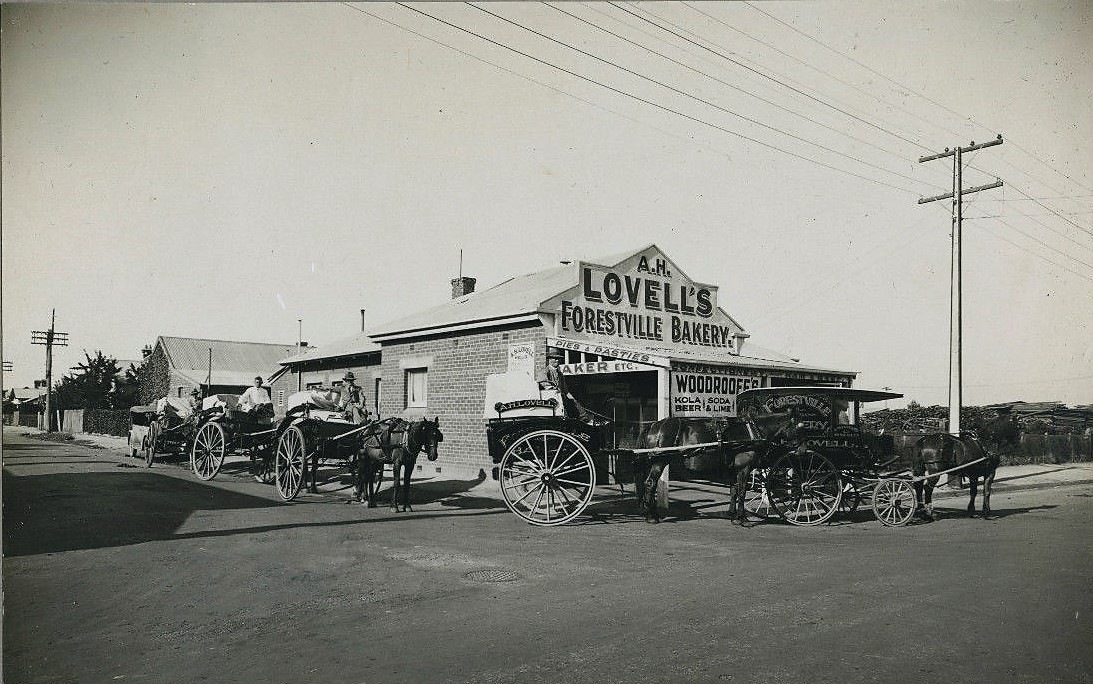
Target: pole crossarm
{"x":49,"y":337}
{"x":970,"y":148}
{"x":967,"y":191}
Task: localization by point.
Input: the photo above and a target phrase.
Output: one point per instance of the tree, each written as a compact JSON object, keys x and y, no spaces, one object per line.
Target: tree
{"x":127,"y":389}
{"x":91,"y":384}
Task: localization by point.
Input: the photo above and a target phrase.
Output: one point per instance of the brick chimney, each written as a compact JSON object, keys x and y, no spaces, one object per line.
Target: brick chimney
{"x":463,"y":285}
{"x":363,"y":326}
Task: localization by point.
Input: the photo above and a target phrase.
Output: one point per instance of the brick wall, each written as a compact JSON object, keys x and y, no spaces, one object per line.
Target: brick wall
{"x":458,"y":365}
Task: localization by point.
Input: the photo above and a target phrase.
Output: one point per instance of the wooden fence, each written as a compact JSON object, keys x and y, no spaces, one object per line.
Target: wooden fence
{"x":1031,"y":449}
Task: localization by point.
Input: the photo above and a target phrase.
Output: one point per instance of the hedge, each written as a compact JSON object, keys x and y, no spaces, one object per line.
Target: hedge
{"x":106,"y":422}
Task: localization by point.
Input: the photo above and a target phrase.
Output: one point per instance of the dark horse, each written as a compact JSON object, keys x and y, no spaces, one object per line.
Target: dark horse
{"x":938,"y":452}
{"x":741,"y":444}
{"x":398,"y":442}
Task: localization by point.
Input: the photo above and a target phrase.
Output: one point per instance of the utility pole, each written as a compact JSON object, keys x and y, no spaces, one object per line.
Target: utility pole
{"x":955,"y":318}
{"x":49,"y":338}
{"x":299,"y":349}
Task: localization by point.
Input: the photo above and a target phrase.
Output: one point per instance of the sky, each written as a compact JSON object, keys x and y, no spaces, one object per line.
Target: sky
{"x":226,"y":170}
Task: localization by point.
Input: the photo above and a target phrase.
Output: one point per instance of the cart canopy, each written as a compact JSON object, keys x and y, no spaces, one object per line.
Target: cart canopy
{"x":142,"y":415}
{"x":763,"y":394}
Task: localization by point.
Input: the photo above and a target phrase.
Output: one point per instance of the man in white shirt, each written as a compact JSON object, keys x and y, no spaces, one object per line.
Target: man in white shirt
{"x":256,"y":399}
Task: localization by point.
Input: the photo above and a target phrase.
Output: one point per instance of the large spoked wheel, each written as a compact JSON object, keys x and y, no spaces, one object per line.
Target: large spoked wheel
{"x":804,"y":488}
{"x":894,"y":502}
{"x":547,"y":477}
{"x":288,"y":463}
{"x":756,"y":496}
{"x":207,"y":454}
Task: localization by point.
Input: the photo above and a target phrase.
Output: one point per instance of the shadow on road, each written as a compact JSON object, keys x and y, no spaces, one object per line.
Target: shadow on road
{"x":69,"y":511}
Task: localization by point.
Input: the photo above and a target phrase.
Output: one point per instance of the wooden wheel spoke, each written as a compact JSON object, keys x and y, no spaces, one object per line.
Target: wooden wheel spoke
{"x":559,"y":466}
{"x":529,"y":493}
{"x":575,"y":483}
{"x":574,"y":469}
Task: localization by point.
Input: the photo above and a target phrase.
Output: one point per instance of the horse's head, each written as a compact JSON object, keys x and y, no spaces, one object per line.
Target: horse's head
{"x":427,"y":434}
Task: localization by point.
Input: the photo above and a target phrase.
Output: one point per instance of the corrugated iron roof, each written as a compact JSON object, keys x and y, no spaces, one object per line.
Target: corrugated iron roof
{"x":513,"y":297}
{"x":224,"y":377}
{"x":347,"y":346}
{"x":253,"y":358}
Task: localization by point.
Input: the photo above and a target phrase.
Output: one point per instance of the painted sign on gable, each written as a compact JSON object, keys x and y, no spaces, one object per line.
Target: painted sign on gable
{"x":645,"y":299}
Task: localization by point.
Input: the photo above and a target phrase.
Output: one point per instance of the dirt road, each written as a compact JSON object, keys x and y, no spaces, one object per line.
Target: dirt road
{"x":117,"y":573}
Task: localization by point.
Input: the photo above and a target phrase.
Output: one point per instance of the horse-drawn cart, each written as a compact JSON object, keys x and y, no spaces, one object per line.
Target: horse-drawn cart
{"x":795,"y":453}
{"x":312,"y":430}
{"x":225,"y":429}
{"x":166,"y":425}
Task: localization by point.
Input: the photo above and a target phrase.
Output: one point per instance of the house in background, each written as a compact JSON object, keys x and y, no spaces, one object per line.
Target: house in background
{"x":326,"y":367}
{"x":178,"y":365}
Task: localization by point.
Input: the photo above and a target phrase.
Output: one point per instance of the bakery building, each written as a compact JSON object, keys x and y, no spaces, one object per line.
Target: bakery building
{"x":641,"y":341}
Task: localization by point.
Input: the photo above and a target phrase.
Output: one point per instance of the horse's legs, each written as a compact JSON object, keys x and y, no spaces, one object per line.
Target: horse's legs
{"x":396,"y":473}
{"x":743,"y":475}
{"x":408,"y":472}
{"x":641,"y":470}
{"x":314,"y":486}
{"x":377,"y":475}
{"x":656,"y":467}
{"x":988,"y":482}
{"x":973,"y":486}
{"x":928,"y":497}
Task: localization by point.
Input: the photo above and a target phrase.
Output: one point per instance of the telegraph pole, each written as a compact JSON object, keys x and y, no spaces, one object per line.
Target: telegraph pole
{"x":955,"y":318}
{"x":49,"y":338}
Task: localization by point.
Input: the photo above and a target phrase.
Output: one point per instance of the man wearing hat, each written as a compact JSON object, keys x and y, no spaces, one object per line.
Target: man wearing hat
{"x":570,"y":405}
{"x":350,"y":400}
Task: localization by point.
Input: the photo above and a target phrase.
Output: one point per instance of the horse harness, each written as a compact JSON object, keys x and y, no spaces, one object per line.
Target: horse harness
{"x":381,"y":435}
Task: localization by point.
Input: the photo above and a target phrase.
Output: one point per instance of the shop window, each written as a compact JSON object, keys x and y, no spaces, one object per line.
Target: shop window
{"x":417,"y":387}
{"x":313,"y":385}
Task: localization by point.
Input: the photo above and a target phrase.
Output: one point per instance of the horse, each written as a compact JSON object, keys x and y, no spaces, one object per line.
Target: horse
{"x":398,"y":442}
{"x":937,"y":452}
{"x":742,"y":444}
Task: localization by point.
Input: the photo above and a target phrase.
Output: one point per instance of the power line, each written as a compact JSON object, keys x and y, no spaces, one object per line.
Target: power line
{"x":536,"y":81}
{"x":729,"y":85}
{"x":910,"y":90}
{"x":648,"y":102}
{"x":1051,"y":209}
{"x":1025,"y":250}
{"x":766,"y":76}
{"x":813,"y":68}
{"x":690,"y":95}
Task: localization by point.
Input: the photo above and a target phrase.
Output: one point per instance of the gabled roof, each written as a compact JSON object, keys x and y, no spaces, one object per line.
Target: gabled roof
{"x":26,"y":393}
{"x":347,"y":346}
{"x":244,"y":358}
{"x":514,"y":299}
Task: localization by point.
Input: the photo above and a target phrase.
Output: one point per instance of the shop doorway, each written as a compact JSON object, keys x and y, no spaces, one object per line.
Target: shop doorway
{"x":628,"y":400}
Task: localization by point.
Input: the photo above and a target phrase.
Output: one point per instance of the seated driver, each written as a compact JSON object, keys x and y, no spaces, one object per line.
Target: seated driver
{"x":256,"y":401}
{"x":350,"y":401}
{"x":571,"y":407}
